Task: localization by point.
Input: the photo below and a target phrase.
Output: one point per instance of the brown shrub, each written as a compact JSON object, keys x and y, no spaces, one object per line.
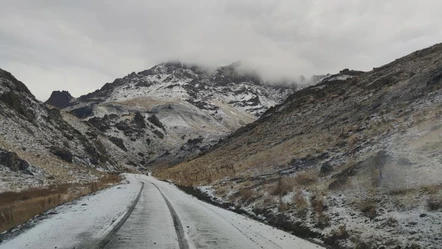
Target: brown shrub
{"x":433,"y":189}
{"x":301,"y":203}
{"x":267,"y":201}
{"x":368,"y":208}
{"x":337,"y":235}
{"x":341,"y":232}
{"x":322,"y":221}
{"x":284,"y":207}
{"x":110,"y":179}
{"x":246,"y":194}
{"x":283,"y":186}
{"x":317,"y":202}
{"x":305,"y":179}
{"x":318,"y":206}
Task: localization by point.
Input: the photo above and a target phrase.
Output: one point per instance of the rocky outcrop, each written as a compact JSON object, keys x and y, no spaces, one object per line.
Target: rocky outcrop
{"x":60,"y":99}
{"x":13,"y":162}
{"x":118,"y":142}
{"x":326,"y":168}
{"x":61,"y":153}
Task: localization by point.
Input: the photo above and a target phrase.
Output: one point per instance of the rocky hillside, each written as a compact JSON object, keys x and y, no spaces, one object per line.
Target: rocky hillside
{"x":352,"y":161}
{"x":38,"y":147}
{"x":175,"y":111}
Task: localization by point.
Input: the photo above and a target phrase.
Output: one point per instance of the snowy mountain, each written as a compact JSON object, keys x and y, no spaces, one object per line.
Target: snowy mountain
{"x":174,"y":111}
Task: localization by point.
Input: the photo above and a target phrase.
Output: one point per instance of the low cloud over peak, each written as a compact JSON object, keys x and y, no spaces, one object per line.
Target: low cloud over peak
{"x":80,"y":45}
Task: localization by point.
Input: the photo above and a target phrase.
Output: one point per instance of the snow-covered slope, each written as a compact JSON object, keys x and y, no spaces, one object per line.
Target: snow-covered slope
{"x":37,"y":147}
{"x":174,"y":111}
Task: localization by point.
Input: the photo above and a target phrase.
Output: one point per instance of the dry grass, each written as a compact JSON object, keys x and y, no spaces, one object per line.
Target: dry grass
{"x":284,"y":207}
{"x":257,"y":156}
{"x":368,"y":208}
{"x":339,"y":233}
{"x":246,"y":194}
{"x":317,"y":202}
{"x":405,"y":198}
{"x":18,"y":207}
{"x":268,"y":200}
{"x":318,"y":206}
{"x":283,"y":186}
{"x":434,"y":203}
{"x":305,"y":178}
{"x":301,"y":203}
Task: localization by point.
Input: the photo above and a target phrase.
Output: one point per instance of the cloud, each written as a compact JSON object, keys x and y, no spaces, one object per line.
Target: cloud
{"x":80,"y":45}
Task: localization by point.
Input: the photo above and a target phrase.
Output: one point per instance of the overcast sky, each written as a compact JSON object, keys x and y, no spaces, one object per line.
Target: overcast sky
{"x":80,"y":45}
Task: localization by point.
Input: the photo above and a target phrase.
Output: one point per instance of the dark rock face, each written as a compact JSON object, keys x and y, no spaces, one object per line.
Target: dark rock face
{"x":351,"y":72}
{"x":118,"y":142}
{"x":101,"y":124}
{"x":60,"y":99}
{"x":159,"y":134}
{"x":82,"y":112}
{"x":154,"y":120}
{"x":139,"y":120}
{"x":13,"y":162}
{"x":326,"y":168}
{"x":17,"y":103}
{"x":63,"y":154}
{"x":122,"y":126}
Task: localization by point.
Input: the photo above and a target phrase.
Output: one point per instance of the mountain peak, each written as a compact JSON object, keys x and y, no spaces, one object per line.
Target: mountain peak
{"x":60,"y":99}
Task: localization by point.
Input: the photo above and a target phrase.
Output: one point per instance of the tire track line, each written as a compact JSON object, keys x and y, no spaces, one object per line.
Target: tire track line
{"x":176,"y":221}
{"x":107,"y":239}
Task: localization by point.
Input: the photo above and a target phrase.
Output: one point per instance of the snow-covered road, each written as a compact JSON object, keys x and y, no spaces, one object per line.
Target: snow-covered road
{"x":161,"y":217}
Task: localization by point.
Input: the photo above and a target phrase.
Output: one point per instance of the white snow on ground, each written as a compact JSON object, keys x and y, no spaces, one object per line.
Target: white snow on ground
{"x":82,"y":222}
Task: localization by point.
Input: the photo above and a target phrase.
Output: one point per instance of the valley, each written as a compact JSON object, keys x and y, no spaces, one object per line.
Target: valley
{"x":348,"y":161}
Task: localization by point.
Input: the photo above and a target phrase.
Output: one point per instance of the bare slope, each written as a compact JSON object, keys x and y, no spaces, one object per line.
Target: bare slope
{"x":356,"y":160}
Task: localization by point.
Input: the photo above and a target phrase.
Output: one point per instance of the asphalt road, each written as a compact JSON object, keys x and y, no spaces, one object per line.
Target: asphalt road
{"x":165,"y":217}
{"x":144,"y":212}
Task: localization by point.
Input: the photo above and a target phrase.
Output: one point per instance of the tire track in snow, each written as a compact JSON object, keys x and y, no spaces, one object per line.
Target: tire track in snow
{"x":176,"y":221}
{"x":120,"y":223}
